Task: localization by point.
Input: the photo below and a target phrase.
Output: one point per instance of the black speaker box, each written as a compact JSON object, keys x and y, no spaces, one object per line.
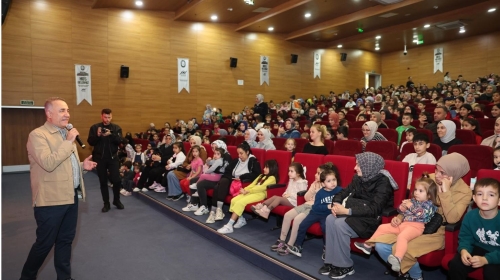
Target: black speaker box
{"x":295,"y":58}
{"x":124,"y":71}
{"x":233,"y":62}
{"x":343,"y":57}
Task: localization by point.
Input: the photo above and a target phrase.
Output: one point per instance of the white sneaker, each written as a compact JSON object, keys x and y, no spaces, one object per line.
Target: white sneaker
{"x":202,"y":210}
{"x":188,"y":198}
{"x":240,"y":223}
{"x":225,"y":229}
{"x":194,"y":194}
{"x":190,"y":207}
{"x":160,"y":189}
{"x":153,"y":186}
{"x":122,"y":191}
{"x":144,"y":190}
{"x":193,"y":186}
{"x":211,"y":218}
{"x":219,"y":215}
{"x":136,"y":190}
{"x":127,"y":193}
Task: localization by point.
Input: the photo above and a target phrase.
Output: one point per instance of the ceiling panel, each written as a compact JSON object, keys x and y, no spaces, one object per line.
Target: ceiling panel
{"x":158,"y":5}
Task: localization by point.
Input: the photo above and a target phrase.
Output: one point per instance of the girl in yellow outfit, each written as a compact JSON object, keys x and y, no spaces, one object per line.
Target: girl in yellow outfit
{"x":254,"y":192}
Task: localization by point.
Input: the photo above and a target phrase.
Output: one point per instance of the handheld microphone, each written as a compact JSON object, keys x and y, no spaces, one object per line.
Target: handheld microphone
{"x":69,"y":127}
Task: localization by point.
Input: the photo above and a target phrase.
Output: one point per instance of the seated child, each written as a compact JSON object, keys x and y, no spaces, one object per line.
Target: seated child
{"x":420,"y":156}
{"x":138,"y":156}
{"x":172,"y":163}
{"x":127,"y":176}
{"x":254,"y":192}
{"x":304,"y":135}
{"x":342,"y":133}
{"x":473,"y":124}
{"x":410,"y":132}
{"x":478,"y":243}
{"x":137,"y":174}
{"x":406,"y":124}
{"x":296,"y":184}
{"x":290,"y":146}
{"x":410,"y":223}
{"x":319,"y":210}
{"x":196,"y":167}
{"x":496,"y":158}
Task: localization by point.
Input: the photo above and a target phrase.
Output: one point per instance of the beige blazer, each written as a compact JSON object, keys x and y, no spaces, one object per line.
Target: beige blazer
{"x":50,"y":167}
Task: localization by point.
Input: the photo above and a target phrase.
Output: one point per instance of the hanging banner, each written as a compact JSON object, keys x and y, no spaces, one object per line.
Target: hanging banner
{"x":438,"y":60}
{"x":264,"y":69}
{"x":183,"y":70}
{"x":317,"y":65}
{"x":83,"y":84}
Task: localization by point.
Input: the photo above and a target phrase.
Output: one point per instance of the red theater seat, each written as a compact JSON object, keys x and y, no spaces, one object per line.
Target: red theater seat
{"x":279,"y":143}
{"x":386,"y":149}
{"x":479,"y":157}
{"x":392,"y":124}
{"x":347,"y":147}
{"x":389,"y":134}
{"x":232,"y":151}
{"x":427,"y":132}
{"x":345,"y":165}
{"x":260,"y":154}
{"x":330,"y":146}
{"x":486,"y":124}
{"x":311,"y":161}
{"x":355,"y":134}
{"x":300,"y":144}
{"x":467,"y":136}
{"x":358,"y":124}
{"x":208,"y":148}
{"x":488,"y":173}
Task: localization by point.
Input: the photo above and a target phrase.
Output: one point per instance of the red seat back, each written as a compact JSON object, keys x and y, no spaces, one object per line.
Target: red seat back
{"x":389,"y":134}
{"x":214,"y":137}
{"x":300,"y":144}
{"x":345,"y":165}
{"x":467,"y":136}
{"x":488,"y":173}
{"x":208,"y":148}
{"x":479,"y":157}
{"x":399,"y":171}
{"x":487,"y":133}
{"x":232,"y":151}
{"x":418,"y":170}
{"x":478,"y":114}
{"x":312,"y":162}
{"x":386,"y":149}
{"x":187,"y":147}
{"x":284,"y":159}
{"x":358,"y":124}
{"x":350,"y":118}
{"x":230,"y":140}
{"x":260,"y":154}
{"x":486,"y":124}
{"x":355,"y":133}
{"x":239,"y":140}
{"x":330,"y":145}
{"x":391,"y":123}
{"x":144,"y":143}
{"x":347,"y":147}
{"x":279,"y":143}
{"x":427,"y":132}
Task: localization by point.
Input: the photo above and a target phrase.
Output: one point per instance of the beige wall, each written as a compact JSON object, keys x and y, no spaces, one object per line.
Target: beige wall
{"x":471,"y":57}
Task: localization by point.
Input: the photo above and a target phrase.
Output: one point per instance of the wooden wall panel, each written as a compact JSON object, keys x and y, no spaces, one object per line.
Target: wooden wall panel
{"x":471,"y":57}
{"x":42,"y":40}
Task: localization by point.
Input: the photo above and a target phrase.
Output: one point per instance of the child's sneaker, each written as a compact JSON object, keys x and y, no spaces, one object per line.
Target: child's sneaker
{"x":127,"y":193}
{"x":283,"y":250}
{"x":136,"y":189}
{"x":394,"y":262}
{"x":190,"y":207}
{"x":296,"y":250}
{"x":193,"y":186}
{"x":257,"y":206}
{"x":188,"y":198}
{"x":195,"y":194}
{"x":362,"y":246}
{"x":160,"y":189}
{"x":278,"y":244}
{"x":225,"y":229}
{"x":177,"y":197}
{"x":263,"y":212}
{"x":153,"y":186}
{"x":144,"y":190}
{"x":219,"y":215}
{"x":122,"y":191}
{"x":202,"y":210}
{"x":211,"y":218}
{"x":240,"y":223}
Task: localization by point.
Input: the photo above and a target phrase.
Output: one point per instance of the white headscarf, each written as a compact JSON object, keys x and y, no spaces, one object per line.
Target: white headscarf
{"x":253,"y":134}
{"x":450,"y":131}
{"x":373,"y":129}
{"x":267,"y":136}
{"x":260,"y":98}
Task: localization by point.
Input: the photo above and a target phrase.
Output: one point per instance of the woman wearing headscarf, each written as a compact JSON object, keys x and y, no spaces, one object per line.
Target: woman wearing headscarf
{"x":359,"y":102}
{"x":356,"y":212}
{"x":333,"y":119}
{"x":370,"y":133}
{"x":261,"y":108}
{"x":265,"y":141}
{"x":446,"y":136}
{"x":208,"y":112}
{"x":174,"y":177}
{"x":242,"y":127}
{"x":469,"y":99}
{"x":376,"y":117}
{"x":288,"y":131}
{"x":494,"y":140}
{"x":250,"y":136}
{"x":453,"y":197}
{"x":385,"y":115}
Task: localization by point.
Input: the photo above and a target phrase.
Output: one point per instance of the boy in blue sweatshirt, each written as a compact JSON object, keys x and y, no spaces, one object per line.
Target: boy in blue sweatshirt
{"x":321,"y":208}
{"x":478,"y":240}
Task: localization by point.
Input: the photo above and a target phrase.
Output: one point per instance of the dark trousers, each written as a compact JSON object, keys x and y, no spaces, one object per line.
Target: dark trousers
{"x":458,"y":270}
{"x":202,"y":188}
{"x":310,"y":219}
{"x":105,"y":165}
{"x":56,"y":225}
{"x":221,"y":191}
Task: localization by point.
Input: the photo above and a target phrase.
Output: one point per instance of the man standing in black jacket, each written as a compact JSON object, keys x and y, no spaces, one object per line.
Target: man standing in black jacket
{"x":105,"y":138}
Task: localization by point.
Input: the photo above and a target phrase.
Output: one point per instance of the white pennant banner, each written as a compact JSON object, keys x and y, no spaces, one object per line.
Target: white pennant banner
{"x":83,"y":84}
{"x":317,"y":65}
{"x":264,"y":69}
{"x":438,"y":60}
{"x":183,"y":70}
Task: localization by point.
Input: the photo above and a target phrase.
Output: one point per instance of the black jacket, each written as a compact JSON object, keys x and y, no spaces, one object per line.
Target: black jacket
{"x":446,"y":146}
{"x":166,"y":153}
{"x":103,"y":145}
{"x":262,"y":109}
{"x":367,"y":201}
{"x":253,"y":168}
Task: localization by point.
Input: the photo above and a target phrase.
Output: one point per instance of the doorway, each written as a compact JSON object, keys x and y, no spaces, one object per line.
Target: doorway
{"x":373,"y":80}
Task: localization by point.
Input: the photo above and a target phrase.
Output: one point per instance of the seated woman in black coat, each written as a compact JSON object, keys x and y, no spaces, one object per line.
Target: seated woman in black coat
{"x":446,"y":133}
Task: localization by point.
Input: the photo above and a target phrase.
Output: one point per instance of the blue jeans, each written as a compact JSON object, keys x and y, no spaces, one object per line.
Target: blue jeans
{"x":384,"y":250}
{"x":174,"y":185}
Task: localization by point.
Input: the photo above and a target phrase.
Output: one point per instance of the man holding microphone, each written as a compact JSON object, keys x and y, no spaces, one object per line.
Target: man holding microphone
{"x":56,"y":173}
{"x":105,"y":137}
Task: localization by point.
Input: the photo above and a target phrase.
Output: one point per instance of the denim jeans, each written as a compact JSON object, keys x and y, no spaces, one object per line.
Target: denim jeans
{"x":384,"y":250}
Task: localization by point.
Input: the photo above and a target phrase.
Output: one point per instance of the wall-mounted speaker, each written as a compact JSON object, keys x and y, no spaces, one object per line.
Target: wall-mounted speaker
{"x":124,"y":71}
{"x":295,"y":58}
{"x":233,"y":62}
{"x":343,"y":57}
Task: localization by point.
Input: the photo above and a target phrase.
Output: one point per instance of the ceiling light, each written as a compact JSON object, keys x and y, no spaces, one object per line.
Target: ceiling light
{"x":270,"y":28}
{"x":307,"y":15}
{"x":377,"y":48}
{"x":415,"y":41}
{"x":414,"y":28}
{"x":462,"y":30}
{"x":213,"y":17}
{"x":339,"y":46}
{"x":378,"y":37}
{"x":138,"y":3}
{"x":492,"y":10}
{"x":427,"y":26}
{"x":415,"y":36}
{"x":249,"y":2}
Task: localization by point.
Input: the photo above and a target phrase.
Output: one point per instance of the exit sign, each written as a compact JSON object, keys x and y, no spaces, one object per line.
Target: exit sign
{"x":27,"y":102}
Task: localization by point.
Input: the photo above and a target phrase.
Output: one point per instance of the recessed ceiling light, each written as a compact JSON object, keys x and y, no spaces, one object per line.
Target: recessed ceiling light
{"x":462,"y":30}
{"x":377,"y":48}
{"x":339,"y":46}
{"x":138,"y":3}
{"x":415,"y":36}
{"x":414,"y":28}
{"x":415,"y":41}
{"x":492,"y":10}
{"x":378,"y":37}
{"x":213,"y":17}
{"x":307,"y":15}
{"x":427,"y":26}
{"x":270,"y":28}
